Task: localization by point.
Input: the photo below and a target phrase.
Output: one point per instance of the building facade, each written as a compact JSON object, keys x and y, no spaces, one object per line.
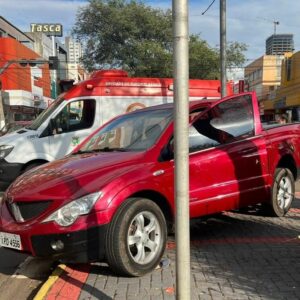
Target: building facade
{"x":263,"y":76}
{"x":287,"y":98}
{"x":279,"y":44}
{"x":42,"y":44}
{"x":74,"y":50}
{"x":76,"y":71}
{"x":9,"y":30}
{"x":25,"y":89}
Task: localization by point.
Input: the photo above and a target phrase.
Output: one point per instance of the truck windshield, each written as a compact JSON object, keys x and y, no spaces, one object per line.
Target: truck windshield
{"x":45,"y":114}
{"x":136,"y":131}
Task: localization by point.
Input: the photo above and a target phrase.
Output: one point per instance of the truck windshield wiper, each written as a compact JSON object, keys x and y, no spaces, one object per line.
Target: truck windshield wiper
{"x":109,"y":149}
{"x":105,"y":149}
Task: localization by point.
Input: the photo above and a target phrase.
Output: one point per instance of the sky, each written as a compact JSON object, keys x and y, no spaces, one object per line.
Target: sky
{"x":248,"y":21}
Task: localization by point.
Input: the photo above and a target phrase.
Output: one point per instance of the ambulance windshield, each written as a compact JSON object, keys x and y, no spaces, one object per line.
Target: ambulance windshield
{"x":45,"y":114}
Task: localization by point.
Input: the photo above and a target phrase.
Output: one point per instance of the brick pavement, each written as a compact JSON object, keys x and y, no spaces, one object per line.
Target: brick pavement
{"x":233,"y":256}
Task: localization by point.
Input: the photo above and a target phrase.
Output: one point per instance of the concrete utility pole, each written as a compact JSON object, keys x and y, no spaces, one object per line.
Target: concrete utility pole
{"x":181,"y":112}
{"x":223,"y":46}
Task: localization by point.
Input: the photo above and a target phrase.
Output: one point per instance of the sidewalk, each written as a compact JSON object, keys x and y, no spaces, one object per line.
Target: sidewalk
{"x":235,"y":256}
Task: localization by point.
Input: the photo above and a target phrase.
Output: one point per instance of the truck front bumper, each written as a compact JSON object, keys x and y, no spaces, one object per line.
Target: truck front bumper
{"x":75,"y":247}
{"x":8,"y":173}
{"x":84,"y":241}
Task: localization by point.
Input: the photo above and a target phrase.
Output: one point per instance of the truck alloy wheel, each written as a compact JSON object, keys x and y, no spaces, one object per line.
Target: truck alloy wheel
{"x":283,"y":191}
{"x":136,"y":237}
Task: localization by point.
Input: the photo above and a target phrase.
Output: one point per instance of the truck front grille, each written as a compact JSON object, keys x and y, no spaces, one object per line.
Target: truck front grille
{"x":24,"y":211}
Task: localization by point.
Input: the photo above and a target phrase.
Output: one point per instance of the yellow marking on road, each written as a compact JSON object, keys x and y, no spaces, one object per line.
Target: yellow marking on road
{"x":50,"y":282}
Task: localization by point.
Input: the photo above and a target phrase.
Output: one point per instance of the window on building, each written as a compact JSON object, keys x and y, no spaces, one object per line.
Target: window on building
{"x":288,"y":68}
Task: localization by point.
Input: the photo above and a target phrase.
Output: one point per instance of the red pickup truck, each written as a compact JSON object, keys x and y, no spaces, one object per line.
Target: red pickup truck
{"x":112,"y":199}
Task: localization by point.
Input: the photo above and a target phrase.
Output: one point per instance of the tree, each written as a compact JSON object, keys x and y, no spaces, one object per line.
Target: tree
{"x":128,"y":35}
{"x":138,"y":38}
{"x":234,"y":53}
{"x":203,"y":60}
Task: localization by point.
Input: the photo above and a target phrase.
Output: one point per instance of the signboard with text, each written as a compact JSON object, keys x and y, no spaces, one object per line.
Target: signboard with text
{"x":46,"y":28}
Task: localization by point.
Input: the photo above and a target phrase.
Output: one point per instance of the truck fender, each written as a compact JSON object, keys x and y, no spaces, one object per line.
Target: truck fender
{"x":144,"y":190}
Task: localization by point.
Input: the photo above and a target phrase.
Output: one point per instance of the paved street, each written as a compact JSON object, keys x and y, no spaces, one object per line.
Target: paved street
{"x":20,"y":275}
{"x":9,"y":262}
{"x":233,"y":256}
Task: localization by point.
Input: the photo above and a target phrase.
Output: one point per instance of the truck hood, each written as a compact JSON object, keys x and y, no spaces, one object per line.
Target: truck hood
{"x":15,"y":137}
{"x":73,"y":176}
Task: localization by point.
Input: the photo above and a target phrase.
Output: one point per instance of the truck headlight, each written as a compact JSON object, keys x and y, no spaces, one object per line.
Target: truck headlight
{"x":5,"y":150}
{"x":68,"y":214}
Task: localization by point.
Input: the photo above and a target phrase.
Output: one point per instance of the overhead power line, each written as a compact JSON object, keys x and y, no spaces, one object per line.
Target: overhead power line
{"x":210,"y":5}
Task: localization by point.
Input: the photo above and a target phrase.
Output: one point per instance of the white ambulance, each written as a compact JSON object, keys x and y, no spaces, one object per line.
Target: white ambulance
{"x":82,"y":109}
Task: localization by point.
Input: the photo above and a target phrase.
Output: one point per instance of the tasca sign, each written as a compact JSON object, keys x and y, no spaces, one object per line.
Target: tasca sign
{"x":48,"y":29}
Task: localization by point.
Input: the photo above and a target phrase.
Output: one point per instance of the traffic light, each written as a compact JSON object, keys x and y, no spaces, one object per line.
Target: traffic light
{"x":53,"y":62}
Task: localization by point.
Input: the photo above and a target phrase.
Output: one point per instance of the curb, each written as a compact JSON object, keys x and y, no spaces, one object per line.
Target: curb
{"x":65,"y":282}
{"x":50,"y":282}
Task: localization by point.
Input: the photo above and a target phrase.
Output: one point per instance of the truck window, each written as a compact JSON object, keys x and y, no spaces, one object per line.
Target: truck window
{"x":76,"y":115}
{"x":229,"y":121}
{"x":132,"y":132}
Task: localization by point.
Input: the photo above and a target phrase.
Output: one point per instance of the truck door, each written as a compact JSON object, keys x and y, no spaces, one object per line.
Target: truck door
{"x":72,"y":124}
{"x":227,"y":161}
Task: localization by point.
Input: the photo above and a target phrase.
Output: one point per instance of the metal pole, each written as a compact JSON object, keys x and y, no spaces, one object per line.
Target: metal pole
{"x":181,"y":113}
{"x":2,"y":114}
{"x":223,"y":46}
{"x":54,"y":72}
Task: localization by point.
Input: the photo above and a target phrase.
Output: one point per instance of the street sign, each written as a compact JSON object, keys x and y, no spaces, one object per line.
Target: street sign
{"x":48,"y":29}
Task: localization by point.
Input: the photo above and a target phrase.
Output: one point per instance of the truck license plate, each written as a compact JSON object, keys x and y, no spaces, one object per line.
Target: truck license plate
{"x":9,"y":240}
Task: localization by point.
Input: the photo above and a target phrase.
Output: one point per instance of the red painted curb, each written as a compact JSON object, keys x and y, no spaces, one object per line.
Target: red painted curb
{"x":69,"y":285}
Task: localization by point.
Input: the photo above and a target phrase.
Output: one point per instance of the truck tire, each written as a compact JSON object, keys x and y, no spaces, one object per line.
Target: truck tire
{"x":136,"y":237}
{"x":282,"y":193}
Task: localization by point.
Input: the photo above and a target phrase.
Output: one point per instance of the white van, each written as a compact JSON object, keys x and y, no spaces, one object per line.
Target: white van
{"x":82,"y":109}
